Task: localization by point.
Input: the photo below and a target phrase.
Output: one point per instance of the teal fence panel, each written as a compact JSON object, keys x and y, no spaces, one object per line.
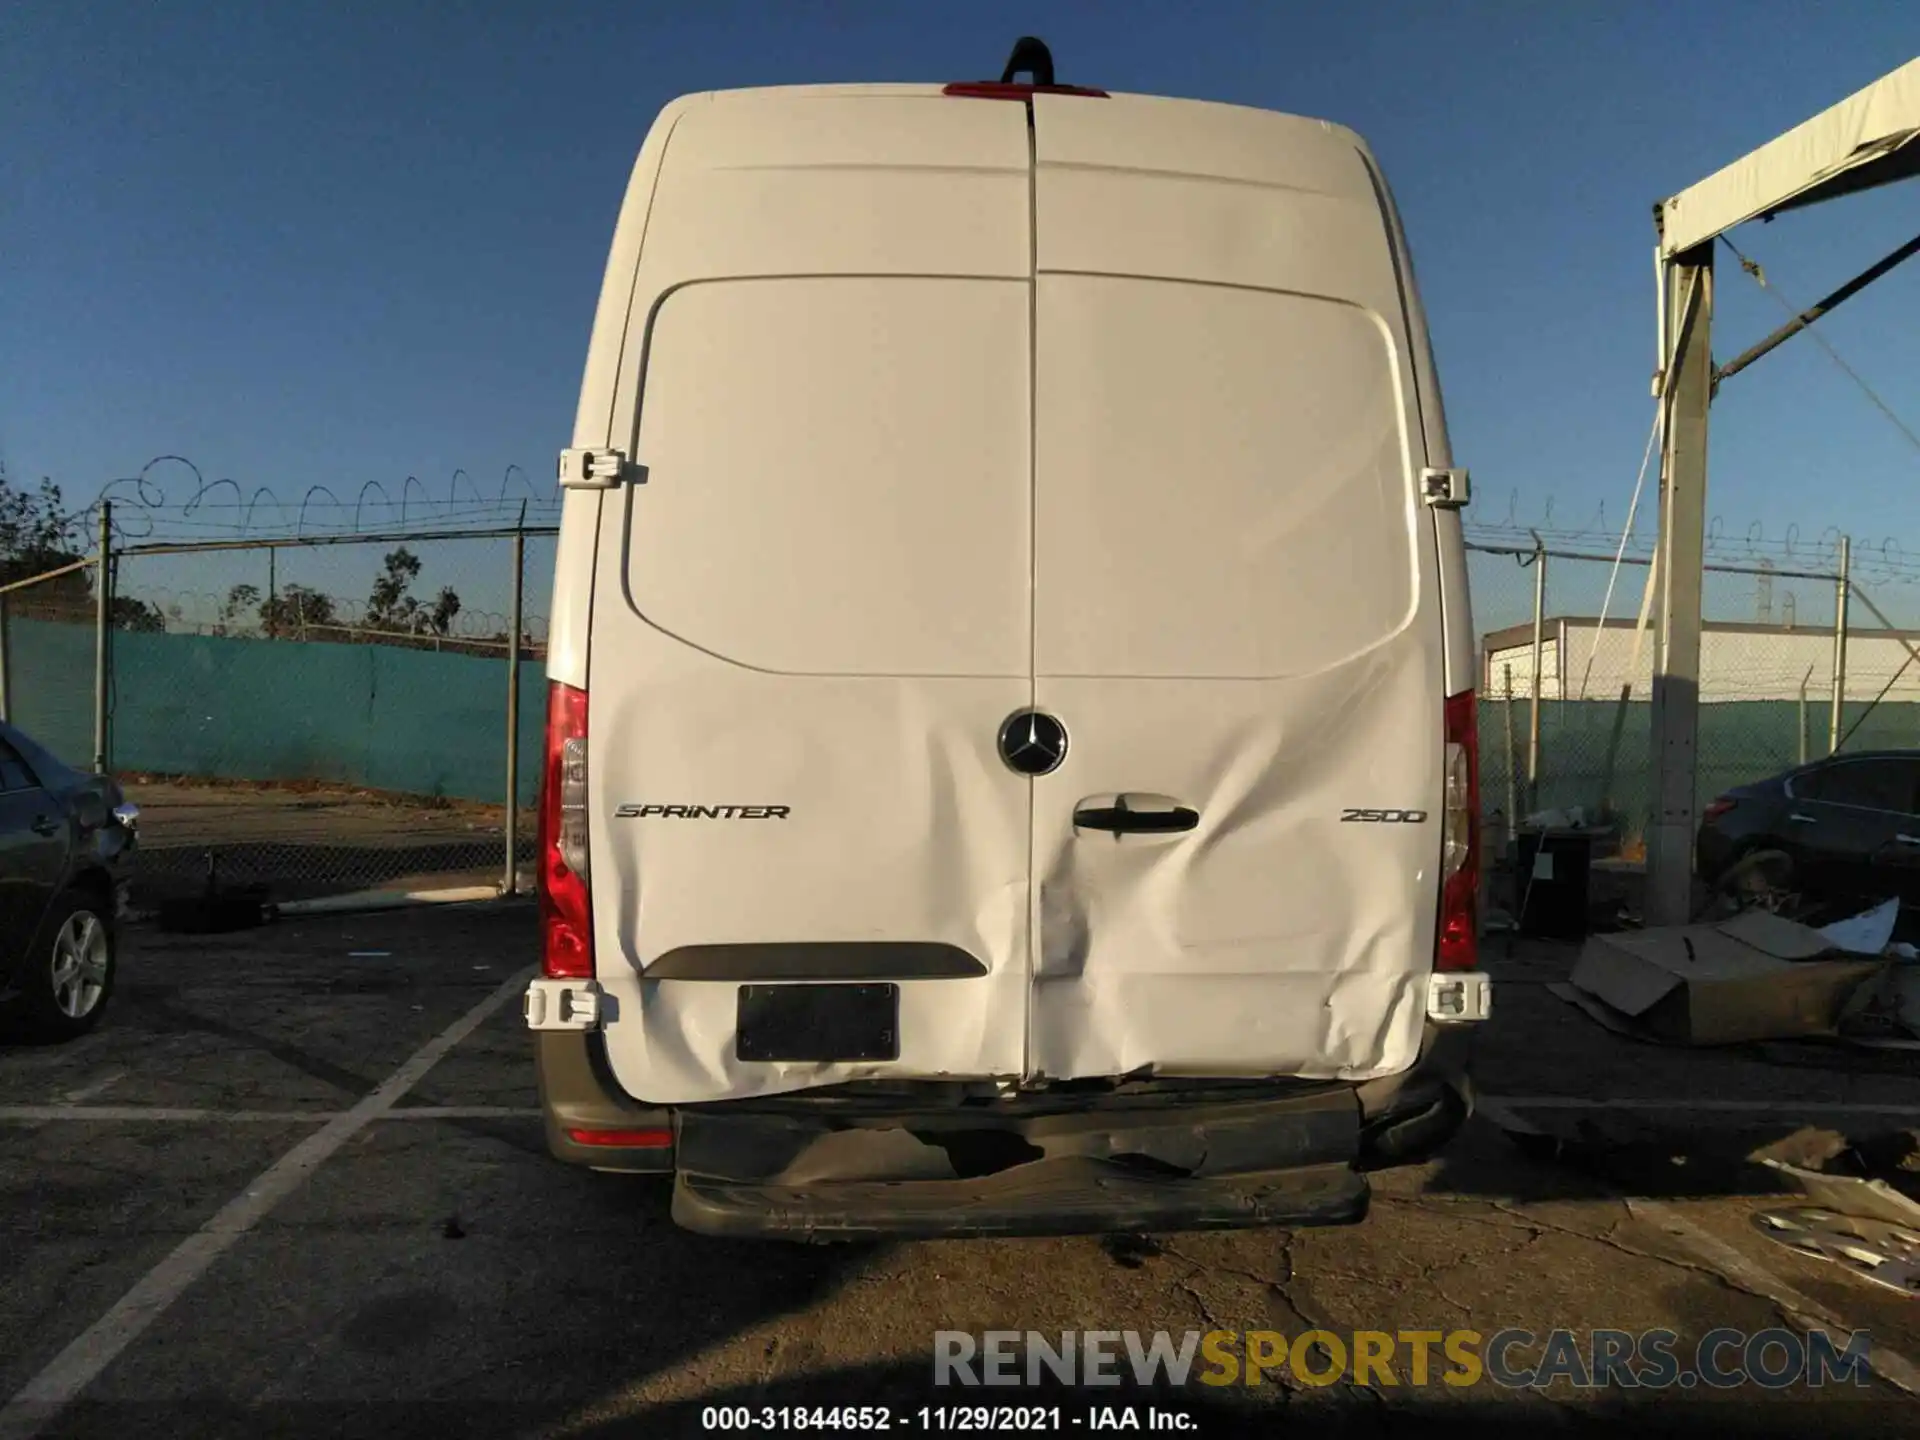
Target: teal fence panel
{"x":431,"y":723}
{"x":50,"y":680}
{"x":237,"y":709}
{"x":417,"y":722}
{"x":533,"y":728}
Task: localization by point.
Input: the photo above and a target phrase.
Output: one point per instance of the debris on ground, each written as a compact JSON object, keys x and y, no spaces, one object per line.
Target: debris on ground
{"x":1876,"y":1250}
{"x":1631,"y":1152}
{"x":1868,"y":933}
{"x":1869,"y":1176}
{"x":1869,"y":1199}
{"x":1862,"y":1212}
{"x":1755,"y":977}
{"x":1856,"y":1204}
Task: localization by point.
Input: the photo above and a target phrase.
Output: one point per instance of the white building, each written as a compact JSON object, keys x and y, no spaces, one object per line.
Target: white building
{"x":1738,"y":661}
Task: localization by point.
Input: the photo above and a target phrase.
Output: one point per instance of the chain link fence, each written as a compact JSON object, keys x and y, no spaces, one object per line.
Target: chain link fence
{"x":1572,"y":625}
{"x":309,"y":715}
{"x":327,"y":712}
{"x":48,"y":626}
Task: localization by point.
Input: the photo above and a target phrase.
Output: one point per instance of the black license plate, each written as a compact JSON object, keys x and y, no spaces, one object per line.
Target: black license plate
{"x":818,"y":1023}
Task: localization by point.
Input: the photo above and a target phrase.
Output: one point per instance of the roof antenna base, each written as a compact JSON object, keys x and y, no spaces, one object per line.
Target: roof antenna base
{"x":1032,"y":56}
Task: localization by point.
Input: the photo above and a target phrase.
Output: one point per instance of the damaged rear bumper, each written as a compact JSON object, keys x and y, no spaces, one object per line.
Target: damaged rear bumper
{"x":909,"y":1161}
{"x":1145,"y":1163}
{"x":1044,"y":1197}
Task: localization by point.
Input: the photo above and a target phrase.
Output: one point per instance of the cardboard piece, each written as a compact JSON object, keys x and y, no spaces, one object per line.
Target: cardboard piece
{"x":1599,"y":1012}
{"x":1850,"y":1195}
{"x":1902,"y":995}
{"x":1755,"y":977}
{"x":1771,"y":935}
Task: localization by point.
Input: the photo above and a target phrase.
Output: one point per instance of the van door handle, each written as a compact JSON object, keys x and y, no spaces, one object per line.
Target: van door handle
{"x":1799,"y":819}
{"x":1906,"y":839}
{"x":45,"y":825}
{"x":1120,"y":818}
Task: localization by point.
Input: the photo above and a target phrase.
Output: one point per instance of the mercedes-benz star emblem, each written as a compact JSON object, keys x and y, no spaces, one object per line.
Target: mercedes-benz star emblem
{"x":1032,"y":742}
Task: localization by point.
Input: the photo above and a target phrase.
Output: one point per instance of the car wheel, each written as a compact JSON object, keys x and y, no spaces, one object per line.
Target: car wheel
{"x":1758,"y":880}
{"x":69,"y":976}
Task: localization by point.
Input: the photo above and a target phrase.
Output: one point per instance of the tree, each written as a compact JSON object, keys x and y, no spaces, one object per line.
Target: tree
{"x":445,"y":607}
{"x":294,"y":610}
{"x":240,"y":599}
{"x":392,"y":607}
{"x":126,"y":613}
{"x":35,"y":536}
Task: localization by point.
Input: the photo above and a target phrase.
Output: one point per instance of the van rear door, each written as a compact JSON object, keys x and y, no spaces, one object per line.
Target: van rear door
{"x":811,"y":619}
{"x":1236,"y":611}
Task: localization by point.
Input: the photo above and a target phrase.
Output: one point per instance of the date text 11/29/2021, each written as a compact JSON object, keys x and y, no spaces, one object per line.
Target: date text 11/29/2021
{"x":943,"y":1419}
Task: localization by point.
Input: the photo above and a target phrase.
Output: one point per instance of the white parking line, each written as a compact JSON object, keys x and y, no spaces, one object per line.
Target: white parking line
{"x":1648,"y":1104}
{"x":1732,"y":1107}
{"x":74,"y":1368}
{"x":40,"y":1114}
{"x":98,"y":1087}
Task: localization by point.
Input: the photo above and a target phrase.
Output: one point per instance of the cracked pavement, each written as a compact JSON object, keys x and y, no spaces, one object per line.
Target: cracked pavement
{"x":438,"y":1274}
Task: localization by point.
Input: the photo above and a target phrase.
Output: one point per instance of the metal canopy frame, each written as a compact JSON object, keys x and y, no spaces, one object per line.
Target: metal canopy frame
{"x":1871,"y":138}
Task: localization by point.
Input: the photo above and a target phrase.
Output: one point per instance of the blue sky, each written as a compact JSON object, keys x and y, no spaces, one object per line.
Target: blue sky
{"x":331,"y":243}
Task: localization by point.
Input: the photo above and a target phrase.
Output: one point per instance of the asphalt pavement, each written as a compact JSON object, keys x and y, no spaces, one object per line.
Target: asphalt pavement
{"x":295,"y":1185}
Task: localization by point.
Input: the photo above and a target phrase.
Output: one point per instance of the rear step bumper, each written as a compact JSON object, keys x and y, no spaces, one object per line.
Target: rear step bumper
{"x":796,"y":1168}
{"x":1142,"y":1162}
{"x":1069,"y":1196}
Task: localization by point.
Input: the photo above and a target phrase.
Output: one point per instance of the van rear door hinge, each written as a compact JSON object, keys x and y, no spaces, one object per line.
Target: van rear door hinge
{"x":599,"y":470}
{"x":1444,"y":489}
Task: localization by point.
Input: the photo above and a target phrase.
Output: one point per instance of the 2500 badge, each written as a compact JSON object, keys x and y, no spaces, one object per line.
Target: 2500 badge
{"x":1383,"y":817}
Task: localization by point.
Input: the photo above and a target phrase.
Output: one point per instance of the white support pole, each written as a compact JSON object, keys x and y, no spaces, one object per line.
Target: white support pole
{"x":1683,"y":502}
{"x":1843,"y":591}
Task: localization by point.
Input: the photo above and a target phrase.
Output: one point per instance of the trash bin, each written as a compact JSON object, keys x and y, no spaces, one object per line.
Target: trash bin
{"x":1551,"y":882}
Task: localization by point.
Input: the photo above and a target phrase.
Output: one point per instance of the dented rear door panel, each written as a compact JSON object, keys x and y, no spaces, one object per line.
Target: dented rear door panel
{"x":1236,"y":605}
{"x":812,"y":618}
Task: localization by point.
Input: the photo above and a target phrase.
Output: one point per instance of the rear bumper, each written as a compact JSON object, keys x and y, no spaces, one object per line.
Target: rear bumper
{"x":578,"y":1095}
{"x":1045,"y":1197}
{"x":876,"y":1165}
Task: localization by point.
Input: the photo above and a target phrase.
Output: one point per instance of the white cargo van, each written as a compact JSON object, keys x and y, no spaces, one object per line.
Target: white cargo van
{"x":1011,"y":749}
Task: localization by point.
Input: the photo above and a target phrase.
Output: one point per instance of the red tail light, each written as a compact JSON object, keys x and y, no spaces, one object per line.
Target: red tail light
{"x":1458,"y":947}
{"x":637,"y":1139}
{"x":1719,"y":808}
{"x":566,"y":916}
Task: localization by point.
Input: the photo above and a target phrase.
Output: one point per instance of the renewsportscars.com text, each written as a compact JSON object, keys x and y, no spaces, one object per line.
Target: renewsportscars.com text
{"x":1513,"y":1359}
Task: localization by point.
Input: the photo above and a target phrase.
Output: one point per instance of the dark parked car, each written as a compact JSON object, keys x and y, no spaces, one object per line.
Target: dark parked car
{"x":65,"y":842}
{"x":1841,"y":832}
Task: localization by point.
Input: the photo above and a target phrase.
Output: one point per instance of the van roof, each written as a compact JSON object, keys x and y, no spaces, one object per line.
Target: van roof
{"x":1202,"y":138}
